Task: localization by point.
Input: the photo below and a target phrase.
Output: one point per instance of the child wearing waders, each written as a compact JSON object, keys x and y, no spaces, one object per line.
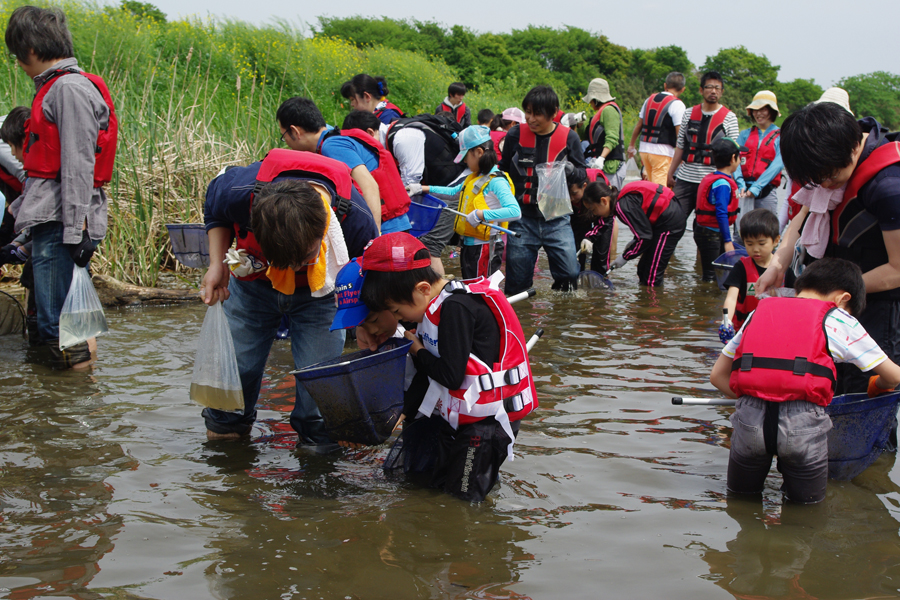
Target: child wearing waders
{"x":486,"y":195}
{"x":470,"y":354}
{"x":781,"y":368}
{"x":656,"y":220}
{"x":593,"y":235}
{"x":717,"y":205}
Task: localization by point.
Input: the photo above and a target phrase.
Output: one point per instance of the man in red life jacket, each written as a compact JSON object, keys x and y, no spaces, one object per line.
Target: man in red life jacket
{"x":700,"y":126}
{"x":539,"y":141}
{"x":657,"y":126}
{"x":863,"y":158}
{"x":303,"y":128}
{"x":453,"y":104}
{"x":606,"y":142}
{"x":69,"y":154}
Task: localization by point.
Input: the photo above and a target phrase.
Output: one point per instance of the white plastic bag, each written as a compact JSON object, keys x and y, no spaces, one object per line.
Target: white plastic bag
{"x":553,"y":192}
{"x":216,"y":382}
{"x":82,"y":314}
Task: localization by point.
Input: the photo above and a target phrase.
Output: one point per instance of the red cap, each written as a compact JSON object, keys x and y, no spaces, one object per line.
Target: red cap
{"x":394,"y":252}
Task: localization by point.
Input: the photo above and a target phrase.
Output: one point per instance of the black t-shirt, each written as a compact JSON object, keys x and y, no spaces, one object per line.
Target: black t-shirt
{"x":738,"y":278}
{"x":467,"y":327}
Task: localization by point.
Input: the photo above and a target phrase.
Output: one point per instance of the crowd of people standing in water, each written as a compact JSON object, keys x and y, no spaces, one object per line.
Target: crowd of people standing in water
{"x":318,"y":233}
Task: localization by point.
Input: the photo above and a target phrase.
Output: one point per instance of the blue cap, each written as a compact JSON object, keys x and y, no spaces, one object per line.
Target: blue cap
{"x":472,"y":137}
{"x":347,"y":289}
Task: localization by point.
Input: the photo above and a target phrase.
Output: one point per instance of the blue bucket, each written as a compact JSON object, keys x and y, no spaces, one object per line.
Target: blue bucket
{"x":861,"y":427}
{"x":190,"y":244}
{"x":726,"y":262}
{"x":424,"y":212}
{"x":360,"y":395}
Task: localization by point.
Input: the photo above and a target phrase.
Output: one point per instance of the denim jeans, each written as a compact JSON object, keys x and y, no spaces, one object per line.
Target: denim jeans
{"x":254,"y":312}
{"x":52,"y":266}
{"x":521,"y":252}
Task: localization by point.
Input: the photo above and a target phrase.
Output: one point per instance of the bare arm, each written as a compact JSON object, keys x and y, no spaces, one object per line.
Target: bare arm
{"x":369,"y":188}
{"x":887,"y":276}
{"x":214,"y":285}
{"x":676,"y":162}
{"x":731,"y":301}
{"x":888,"y":375}
{"x":634,"y":137}
{"x":720,"y":375}
{"x":782,"y":257}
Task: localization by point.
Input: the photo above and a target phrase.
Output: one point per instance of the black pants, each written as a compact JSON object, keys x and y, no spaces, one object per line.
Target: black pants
{"x":479,"y":261}
{"x":686,"y":196}
{"x":600,"y":254}
{"x":667,"y":232}
{"x":709,"y":243}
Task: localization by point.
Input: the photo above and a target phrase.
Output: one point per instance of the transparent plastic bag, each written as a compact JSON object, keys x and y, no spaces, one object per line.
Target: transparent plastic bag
{"x":216,"y":382}
{"x":553,"y":192}
{"x":82,"y":314}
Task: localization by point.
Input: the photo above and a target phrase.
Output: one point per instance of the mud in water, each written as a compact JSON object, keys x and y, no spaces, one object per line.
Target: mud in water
{"x":108,"y":488}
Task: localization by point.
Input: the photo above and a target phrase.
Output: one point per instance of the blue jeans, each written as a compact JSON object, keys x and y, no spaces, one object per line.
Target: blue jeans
{"x":53,"y":268}
{"x":521,"y":252}
{"x":254,"y":312}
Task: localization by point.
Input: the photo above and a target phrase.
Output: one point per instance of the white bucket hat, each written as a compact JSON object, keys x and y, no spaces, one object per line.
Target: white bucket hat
{"x":598,"y":90}
{"x":838,"y":96}
{"x":764,"y":98}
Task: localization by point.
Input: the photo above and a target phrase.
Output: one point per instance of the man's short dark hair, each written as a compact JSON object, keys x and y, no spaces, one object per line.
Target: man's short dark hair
{"x":302,"y":113}
{"x":42,"y":30}
{"x":396,"y":287}
{"x":13,"y":130}
{"x":829,"y":275}
{"x":675,"y":81}
{"x":711,"y":76}
{"x":485,"y":116}
{"x":541,"y":100}
{"x":457,"y":88}
{"x":818,"y":140}
{"x":361,"y":119}
{"x":760,"y":222}
{"x":287,"y":218}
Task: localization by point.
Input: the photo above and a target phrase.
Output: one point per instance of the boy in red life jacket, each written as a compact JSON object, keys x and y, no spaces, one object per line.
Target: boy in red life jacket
{"x":454,"y":105}
{"x":759,"y":232}
{"x":469,"y":351}
{"x":717,"y":205}
{"x":68,"y":155}
{"x":781,"y":367}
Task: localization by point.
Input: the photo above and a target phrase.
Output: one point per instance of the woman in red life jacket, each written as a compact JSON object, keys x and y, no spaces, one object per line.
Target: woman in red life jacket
{"x":593,"y":235}
{"x":656,"y":221}
{"x":370,"y":94}
{"x":761,"y":165}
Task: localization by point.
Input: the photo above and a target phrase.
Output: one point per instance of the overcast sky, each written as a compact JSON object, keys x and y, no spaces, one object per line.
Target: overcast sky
{"x":820,"y":39}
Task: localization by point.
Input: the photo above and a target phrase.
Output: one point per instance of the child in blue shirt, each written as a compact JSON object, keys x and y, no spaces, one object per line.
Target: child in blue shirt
{"x":717,"y":205}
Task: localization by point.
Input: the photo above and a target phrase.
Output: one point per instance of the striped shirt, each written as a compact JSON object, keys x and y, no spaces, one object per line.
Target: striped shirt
{"x":695,"y":172}
{"x":848,"y":342}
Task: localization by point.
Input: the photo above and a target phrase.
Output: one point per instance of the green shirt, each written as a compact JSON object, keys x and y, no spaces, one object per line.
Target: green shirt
{"x":612,"y":124}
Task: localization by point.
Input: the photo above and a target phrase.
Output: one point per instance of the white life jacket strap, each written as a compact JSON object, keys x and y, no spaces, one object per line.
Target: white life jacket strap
{"x":475,"y":384}
{"x":498,"y":410}
{"x":435,"y":392}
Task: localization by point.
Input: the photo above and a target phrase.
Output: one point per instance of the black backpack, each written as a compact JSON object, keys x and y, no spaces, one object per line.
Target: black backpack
{"x":441,"y":145}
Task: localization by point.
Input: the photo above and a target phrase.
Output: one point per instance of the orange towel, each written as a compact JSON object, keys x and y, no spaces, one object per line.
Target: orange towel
{"x":284,"y":281}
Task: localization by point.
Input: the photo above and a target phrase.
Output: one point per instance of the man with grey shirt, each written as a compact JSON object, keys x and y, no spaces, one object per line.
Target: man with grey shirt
{"x":69,"y":154}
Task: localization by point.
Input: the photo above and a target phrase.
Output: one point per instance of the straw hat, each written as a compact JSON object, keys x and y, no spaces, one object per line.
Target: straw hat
{"x":598,"y":90}
{"x":764,"y":98}
{"x":838,"y":96}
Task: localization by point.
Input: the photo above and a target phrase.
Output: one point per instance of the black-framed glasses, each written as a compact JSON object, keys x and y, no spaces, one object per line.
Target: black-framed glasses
{"x":712,"y":87}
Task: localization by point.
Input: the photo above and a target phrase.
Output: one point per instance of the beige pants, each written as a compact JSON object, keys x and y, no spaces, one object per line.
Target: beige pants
{"x":657,"y":167}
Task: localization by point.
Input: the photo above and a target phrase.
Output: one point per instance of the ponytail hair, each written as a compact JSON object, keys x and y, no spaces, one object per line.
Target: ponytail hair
{"x":363,"y":83}
{"x":596,"y":191}
{"x":489,"y":159}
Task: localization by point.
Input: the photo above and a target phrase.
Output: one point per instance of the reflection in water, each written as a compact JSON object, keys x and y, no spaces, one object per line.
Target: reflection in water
{"x":109,"y":488}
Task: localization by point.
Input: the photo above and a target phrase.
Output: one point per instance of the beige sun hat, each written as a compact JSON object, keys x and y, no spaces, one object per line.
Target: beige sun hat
{"x":764,"y":98}
{"x":838,"y":96}
{"x":598,"y":90}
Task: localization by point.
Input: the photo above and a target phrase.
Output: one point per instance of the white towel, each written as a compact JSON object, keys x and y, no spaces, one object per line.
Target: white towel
{"x":336,"y":256}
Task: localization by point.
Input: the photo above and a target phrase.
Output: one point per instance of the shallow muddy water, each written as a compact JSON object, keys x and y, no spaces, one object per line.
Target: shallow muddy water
{"x":108,"y":487}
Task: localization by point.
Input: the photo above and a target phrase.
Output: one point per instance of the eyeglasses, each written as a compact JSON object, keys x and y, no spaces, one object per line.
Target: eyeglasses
{"x":282,"y":136}
{"x":712,"y":87}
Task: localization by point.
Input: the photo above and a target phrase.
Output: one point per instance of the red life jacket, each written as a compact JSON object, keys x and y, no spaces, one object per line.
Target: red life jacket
{"x":706,"y":210}
{"x":701,"y":131}
{"x":783,"y":354}
{"x":300,"y":165}
{"x":394,"y":199}
{"x":528,"y":160}
{"x":387,"y":106}
{"x":557,"y":118}
{"x":504,"y":390}
{"x":597,"y":136}
{"x":793,"y":207}
{"x":597,"y":174}
{"x":743,"y":309}
{"x":11,"y":180}
{"x":42,"y":147}
{"x":497,"y":137}
{"x":759,"y":156}
{"x":458,"y":113}
{"x":658,"y":127}
{"x":850,"y":220}
{"x":655,"y":197}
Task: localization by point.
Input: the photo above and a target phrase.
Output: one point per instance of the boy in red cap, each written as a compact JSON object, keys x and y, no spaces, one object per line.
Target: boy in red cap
{"x":471,"y":360}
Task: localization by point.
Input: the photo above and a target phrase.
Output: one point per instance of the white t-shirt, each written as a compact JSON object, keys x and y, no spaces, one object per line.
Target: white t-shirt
{"x":676,"y":110}
{"x":848,"y":341}
{"x":409,"y":150}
